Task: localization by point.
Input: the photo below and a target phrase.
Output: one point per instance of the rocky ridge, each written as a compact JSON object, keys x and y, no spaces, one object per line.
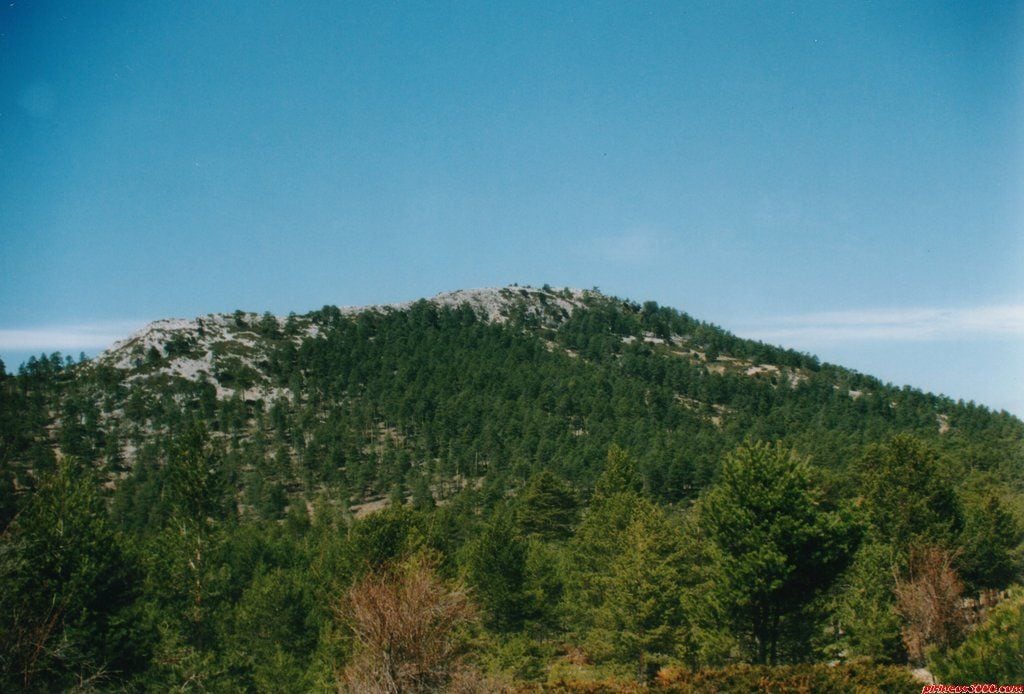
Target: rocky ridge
{"x":209,"y":348}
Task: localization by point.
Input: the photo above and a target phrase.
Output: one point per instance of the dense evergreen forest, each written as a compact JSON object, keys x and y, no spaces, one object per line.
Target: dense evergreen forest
{"x":527,"y":488}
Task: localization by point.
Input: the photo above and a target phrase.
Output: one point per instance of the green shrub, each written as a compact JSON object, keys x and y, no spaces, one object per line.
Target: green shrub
{"x":791,"y":679}
{"x":994,"y":652}
{"x":764,"y":679}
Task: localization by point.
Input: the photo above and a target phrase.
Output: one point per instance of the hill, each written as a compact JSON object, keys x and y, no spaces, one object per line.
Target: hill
{"x":475,"y":383}
{"x":479,"y":414}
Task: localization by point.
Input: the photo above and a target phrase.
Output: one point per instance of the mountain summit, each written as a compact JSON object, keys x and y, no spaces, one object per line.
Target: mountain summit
{"x":200,"y":348}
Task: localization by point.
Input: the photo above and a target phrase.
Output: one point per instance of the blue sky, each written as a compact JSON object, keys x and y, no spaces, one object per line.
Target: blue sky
{"x":843,"y":178}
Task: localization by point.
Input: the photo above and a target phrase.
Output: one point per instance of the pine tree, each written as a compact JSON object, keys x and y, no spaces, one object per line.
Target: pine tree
{"x":990,"y":539}
{"x":620,"y":474}
{"x":67,"y":591}
{"x":909,"y":497}
{"x":495,"y":564}
{"x":866,"y":605}
{"x":778,"y":547}
{"x":639,"y":614}
{"x":548,"y":507}
{"x":599,"y":538}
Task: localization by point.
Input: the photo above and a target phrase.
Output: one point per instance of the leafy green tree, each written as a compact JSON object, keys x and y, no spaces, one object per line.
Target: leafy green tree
{"x":908,"y":494}
{"x":639,"y":615}
{"x":495,"y":566}
{"x":187,"y":582}
{"x":866,"y":607}
{"x":545,"y":585}
{"x":381,"y":537}
{"x":422,"y":497}
{"x":186,"y":593}
{"x":8,"y":496}
{"x":778,"y":547}
{"x":991,"y":538}
{"x":624,"y":574}
{"x":620,"y":474}
{"x":598,"y":540}
{"x":994,"y":652}
{"x":268,"y":325}
{"x":195,"y":482}
{"x":273,"y":632}
{"x":548,"y":507}
{"x":67,"y":591}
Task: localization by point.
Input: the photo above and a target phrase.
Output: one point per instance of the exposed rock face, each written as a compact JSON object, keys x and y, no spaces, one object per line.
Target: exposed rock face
{"x":202,"y":348}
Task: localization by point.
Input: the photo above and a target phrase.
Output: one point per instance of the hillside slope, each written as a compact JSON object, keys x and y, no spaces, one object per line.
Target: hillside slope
{"x":486,"y":384}
{"x":590,"y":481}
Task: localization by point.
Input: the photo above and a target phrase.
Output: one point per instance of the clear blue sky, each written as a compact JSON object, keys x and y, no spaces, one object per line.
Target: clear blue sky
{"x":844,"y":178}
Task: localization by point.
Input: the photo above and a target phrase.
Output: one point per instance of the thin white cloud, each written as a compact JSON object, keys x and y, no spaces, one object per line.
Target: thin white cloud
{"x":67,"y":337}
{"x":906,"y":325}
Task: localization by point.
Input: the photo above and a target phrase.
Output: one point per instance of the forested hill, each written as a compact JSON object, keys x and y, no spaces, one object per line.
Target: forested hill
{"x":460,"y":409}
{"x":486,"y":384}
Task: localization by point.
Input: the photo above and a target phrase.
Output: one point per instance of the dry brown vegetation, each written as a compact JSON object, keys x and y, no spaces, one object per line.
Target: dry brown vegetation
{"x":409,"y":629}
{"x":929,"y":599}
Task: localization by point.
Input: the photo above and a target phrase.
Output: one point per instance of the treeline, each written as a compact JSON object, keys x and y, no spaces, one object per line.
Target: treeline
{"x":769,"y":566}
